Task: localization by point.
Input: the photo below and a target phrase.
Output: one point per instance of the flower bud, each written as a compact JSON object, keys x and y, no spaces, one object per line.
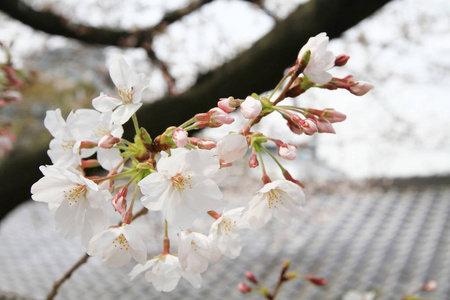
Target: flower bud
{"x":308,"y":126}
{"x":251,"y":277}
{"x":179,"y":137}
{"x":232,"y":147}
{"x":243,"y":288}
{"x":119,"y":201}
{"x":333,"y":116}
{"x":361,"y":88}
{"x":206,"y":144}
{"x":253,"y":162}
{"x":87,"y":145}
{"x":319,"y":281}
{"x":228,"y":104}
{"x":218,"y":116}
{"x":108,"y":141}
{"x":341,"y":60}
{"x":324,"y":126}
{"x":288,"y":151}
{"x":251,"y":108}
{"x":330,"y":114}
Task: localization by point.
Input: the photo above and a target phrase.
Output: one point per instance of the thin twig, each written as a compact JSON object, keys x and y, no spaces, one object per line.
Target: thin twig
{"x":66,"y":276}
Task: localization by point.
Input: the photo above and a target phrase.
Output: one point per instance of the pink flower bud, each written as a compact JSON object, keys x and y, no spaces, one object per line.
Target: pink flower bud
{"x":119,"y":201}
{"x":253,"y":162}
{"x":294,"y":127}
{"x":288,"y":151}
{"x":333,"y":116}
{"x":309,"y":127}
{"x":108,"y":141}
{"x":429,"y":286}
{"x":180,"y":137}
{"x":228,"y":104}
{"x":361,"y":88}
{"x":243,"y":288}
{"x":251,"y":108}
{"x":232,"y":147}
{"x":251,"y":277}
{"x":87,"y":145}
{"x":341,"y":60}
{"x":319,"y":281}
{"x":218,"y":116}
{"x":324,"y":126}
{"x":206,"y":144}
{"x":203,"y":117}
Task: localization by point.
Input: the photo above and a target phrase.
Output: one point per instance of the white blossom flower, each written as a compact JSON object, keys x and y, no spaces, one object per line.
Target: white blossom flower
{"x":251,"y":108}
{"x":182,"y":188}
{"x":130,"y":86}
{"x":232,"y":147}
{"x":65,"y":147}
{"x":321,"y":59}
{"x":195,"y":251}
{"x":164,"y":272}
{"x":96,"y":126}
{"x":76,"y":202}
{"x":225,"y":232}
{"x":117,"y":245}
{"x":281,"y":199}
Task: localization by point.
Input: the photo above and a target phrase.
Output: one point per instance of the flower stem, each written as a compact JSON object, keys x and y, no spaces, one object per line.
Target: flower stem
{"x":136,"y":125}
{"x":166,"y":240}
{"x":294,"y":76}
{"x":279,"y":85}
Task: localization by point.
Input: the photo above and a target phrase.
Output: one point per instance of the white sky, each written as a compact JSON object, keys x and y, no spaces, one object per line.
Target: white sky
{"x":400,"y":129}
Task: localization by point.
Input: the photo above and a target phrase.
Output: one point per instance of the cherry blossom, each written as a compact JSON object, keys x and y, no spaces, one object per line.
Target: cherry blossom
{"x":182,"y":188}
{"x":281,"y":199}
{"x":180,"y":137}
{"x":96,"y":127}
{"x":251,"y":108}
{"x":65,"y":147}
{"x":130,"y":86}
{"x":225,"y":232}
{"x":195,"y":251}
{"x":232,"y":147}
{"x":164,"y":272}
{"x":288,"y":151}
{"x":117,"y":245}
{"x":75,"y":201}
{"x":320,"y":61}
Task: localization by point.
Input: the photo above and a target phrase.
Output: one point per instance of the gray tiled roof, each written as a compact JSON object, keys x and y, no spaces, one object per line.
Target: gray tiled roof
{"x":391,"y":240}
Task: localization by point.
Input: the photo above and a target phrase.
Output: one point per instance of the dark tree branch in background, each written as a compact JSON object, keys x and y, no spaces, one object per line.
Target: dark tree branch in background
{"x":52,"y":23}
{"x":255,"y":70}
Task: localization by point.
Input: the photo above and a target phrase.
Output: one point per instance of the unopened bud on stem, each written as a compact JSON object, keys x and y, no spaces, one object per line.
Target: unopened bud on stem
{"x":243,"y":288}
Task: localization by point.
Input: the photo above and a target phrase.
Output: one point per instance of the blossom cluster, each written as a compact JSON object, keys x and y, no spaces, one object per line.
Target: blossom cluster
{"x":176,"y":174}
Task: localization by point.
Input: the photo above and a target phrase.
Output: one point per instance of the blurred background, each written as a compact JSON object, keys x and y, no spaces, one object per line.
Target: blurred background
{"x":378,"y":190}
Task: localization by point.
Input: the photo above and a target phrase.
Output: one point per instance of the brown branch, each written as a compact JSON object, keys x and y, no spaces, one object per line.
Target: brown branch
{"x":170,"y":80}
{"x":52,"y":23}
{"x":66,"y":276}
